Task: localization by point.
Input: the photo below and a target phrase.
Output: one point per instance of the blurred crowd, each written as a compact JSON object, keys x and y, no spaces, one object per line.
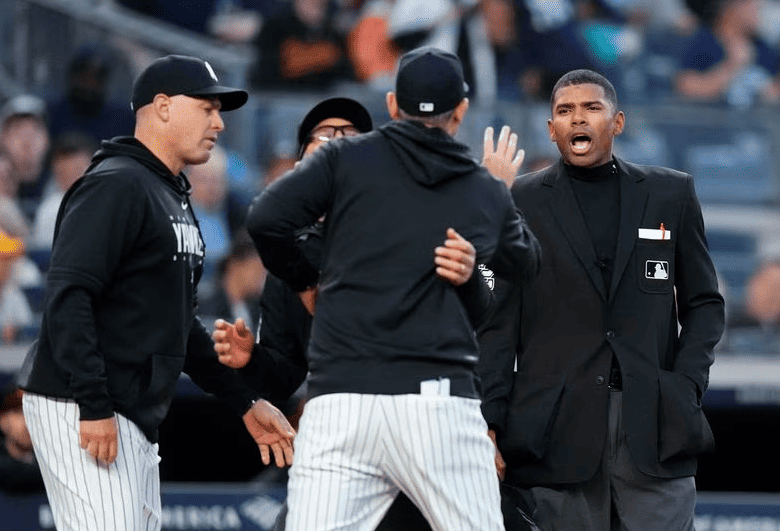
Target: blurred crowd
{"x":724,"y":51}
{"x":721,"y":52}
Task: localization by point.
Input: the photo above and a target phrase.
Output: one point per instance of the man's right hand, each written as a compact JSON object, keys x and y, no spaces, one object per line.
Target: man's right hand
{"x":99,"y":438}
{"x":233,"y":343}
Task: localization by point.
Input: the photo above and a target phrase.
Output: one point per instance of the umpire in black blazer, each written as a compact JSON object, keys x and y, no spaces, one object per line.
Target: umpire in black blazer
{"x":601,"y":422}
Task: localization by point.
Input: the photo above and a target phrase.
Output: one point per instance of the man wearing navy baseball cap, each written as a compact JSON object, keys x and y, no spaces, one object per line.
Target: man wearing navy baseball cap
{"x":188,"y":76}
{"x":393,"y":403}
{"x":119,"y":322}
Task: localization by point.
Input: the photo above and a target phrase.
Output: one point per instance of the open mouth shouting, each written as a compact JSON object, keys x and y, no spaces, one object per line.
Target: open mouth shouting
{"x":580,"y":143}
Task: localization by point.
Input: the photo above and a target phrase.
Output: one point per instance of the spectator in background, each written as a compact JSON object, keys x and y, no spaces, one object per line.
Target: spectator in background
{"x":372,"y":52}
{"x":726,"y":60}
{"x":19,"y":472}
{"x":301,"y":48}
{"x":279,"y":164}
{"x":24,"y":135}
{"x":12,"y":220}
{"x":763,"y":296}
{"x":239,"y":284}
{"x":70,"y":158}
{"x":85,"y":106}
{"x":221,"y":213}
{"x":456,"y":26}
{"x":15,"y":312}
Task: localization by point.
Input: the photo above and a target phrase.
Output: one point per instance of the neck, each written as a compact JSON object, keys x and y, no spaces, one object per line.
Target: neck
{"x":155,"y":143}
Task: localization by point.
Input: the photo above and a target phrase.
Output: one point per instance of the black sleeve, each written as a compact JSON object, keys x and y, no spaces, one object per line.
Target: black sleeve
{"x":518,"y":256}
{"x":202,"y":365}
{"x":477,"y":297}
{"x":498,"y":341}
{"x":278,"y":365}
{"x":288,"y":204}
{"x":85,"y":255}
{"x":700,"y":304}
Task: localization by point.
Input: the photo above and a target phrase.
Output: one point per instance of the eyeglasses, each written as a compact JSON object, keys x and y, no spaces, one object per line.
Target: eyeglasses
{"x":328,"y":132}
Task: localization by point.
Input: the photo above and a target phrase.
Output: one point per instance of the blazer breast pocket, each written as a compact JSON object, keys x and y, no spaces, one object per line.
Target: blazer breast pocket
{"x":655,"y":265}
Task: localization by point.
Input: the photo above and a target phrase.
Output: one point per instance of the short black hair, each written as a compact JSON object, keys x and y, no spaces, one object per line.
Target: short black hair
{"x":584,"y":76}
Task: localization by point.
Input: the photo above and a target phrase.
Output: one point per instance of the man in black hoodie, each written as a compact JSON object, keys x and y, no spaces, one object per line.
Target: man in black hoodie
{"x":119,"y":323}
{"x":394,"y":404}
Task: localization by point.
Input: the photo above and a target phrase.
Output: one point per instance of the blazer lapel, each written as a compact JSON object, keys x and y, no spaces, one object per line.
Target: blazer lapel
{"x":633,"y":198}
{"x":564,"y":208}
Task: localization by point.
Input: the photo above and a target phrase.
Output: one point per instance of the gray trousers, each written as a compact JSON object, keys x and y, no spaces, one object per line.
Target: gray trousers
{"x":619,"y":497}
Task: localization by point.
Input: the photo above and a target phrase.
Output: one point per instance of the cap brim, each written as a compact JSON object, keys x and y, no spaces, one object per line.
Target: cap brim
{"x":345,"y":108}
{"x":231,"y":98}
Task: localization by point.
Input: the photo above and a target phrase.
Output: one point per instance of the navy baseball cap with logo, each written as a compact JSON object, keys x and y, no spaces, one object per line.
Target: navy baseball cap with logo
{"x":173,"y":75}
{"x":345,"y":108}
{"x":429,"y":82}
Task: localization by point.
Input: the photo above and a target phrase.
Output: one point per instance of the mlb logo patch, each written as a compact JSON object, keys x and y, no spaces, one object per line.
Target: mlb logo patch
{"x":657,"y":269}
{"x":426,"y":107}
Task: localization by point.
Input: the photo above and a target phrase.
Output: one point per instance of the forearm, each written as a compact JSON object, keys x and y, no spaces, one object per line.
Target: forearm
{"x":272,"y":375}
{"x":70,"y":328}
{"x":518,"y":257}
{"x":477,"y":298}
{"x":204,"y":369}
{"x":498,"y":339}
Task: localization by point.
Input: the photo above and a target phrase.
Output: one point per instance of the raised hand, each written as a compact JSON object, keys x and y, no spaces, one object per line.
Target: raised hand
{"x":233,"y":343}
{"x":505,"y":160}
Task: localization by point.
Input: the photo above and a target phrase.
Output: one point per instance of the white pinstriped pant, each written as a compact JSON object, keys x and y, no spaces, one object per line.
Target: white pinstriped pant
{"x":353,"y":453}
{"x":85,"y":495}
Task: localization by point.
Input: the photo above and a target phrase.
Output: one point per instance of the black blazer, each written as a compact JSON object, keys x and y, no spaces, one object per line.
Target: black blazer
{"x":551,"y":414}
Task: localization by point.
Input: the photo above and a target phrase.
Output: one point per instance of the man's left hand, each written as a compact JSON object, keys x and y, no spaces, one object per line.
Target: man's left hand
{"x":502,"y":162}
{"x":455,"y":259}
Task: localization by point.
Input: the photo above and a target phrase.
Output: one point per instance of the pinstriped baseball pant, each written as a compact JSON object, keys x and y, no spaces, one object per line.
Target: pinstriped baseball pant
{"x":354,"y":452}
{"x":85,"y":495}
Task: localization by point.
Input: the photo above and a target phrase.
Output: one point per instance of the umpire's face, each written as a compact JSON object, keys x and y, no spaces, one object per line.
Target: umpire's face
{"x":326,"y":130}
{"x":583,"y":125}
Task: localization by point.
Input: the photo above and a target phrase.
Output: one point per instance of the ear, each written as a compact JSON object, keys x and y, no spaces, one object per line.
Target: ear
{"x":619,"y":123}
{"x":551,"y":129}
{"x":392,"y":105}
{"x":458,"y":114}
{"x":162,"y":106}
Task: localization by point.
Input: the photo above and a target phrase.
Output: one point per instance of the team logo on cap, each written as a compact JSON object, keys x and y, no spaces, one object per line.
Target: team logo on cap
{"x":211,"y":71}
{"x":426,"y":107}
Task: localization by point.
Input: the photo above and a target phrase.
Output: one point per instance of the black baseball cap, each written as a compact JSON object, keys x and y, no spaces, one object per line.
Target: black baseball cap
{"x":180,"y":74}
{"x":345,"y":108}
{"x":429,"y":82}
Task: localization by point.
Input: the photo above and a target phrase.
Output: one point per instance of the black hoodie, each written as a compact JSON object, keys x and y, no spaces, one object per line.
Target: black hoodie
{"x":119,"y":321}
{"x":384,"y":320}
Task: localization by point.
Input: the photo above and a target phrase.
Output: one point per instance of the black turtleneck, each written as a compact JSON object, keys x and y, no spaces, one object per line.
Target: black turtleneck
{"x":598,"y":195}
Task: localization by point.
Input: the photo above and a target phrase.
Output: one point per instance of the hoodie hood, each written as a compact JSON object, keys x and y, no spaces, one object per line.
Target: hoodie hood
{"x":128,"y":146}
{"x":430,"y":155}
